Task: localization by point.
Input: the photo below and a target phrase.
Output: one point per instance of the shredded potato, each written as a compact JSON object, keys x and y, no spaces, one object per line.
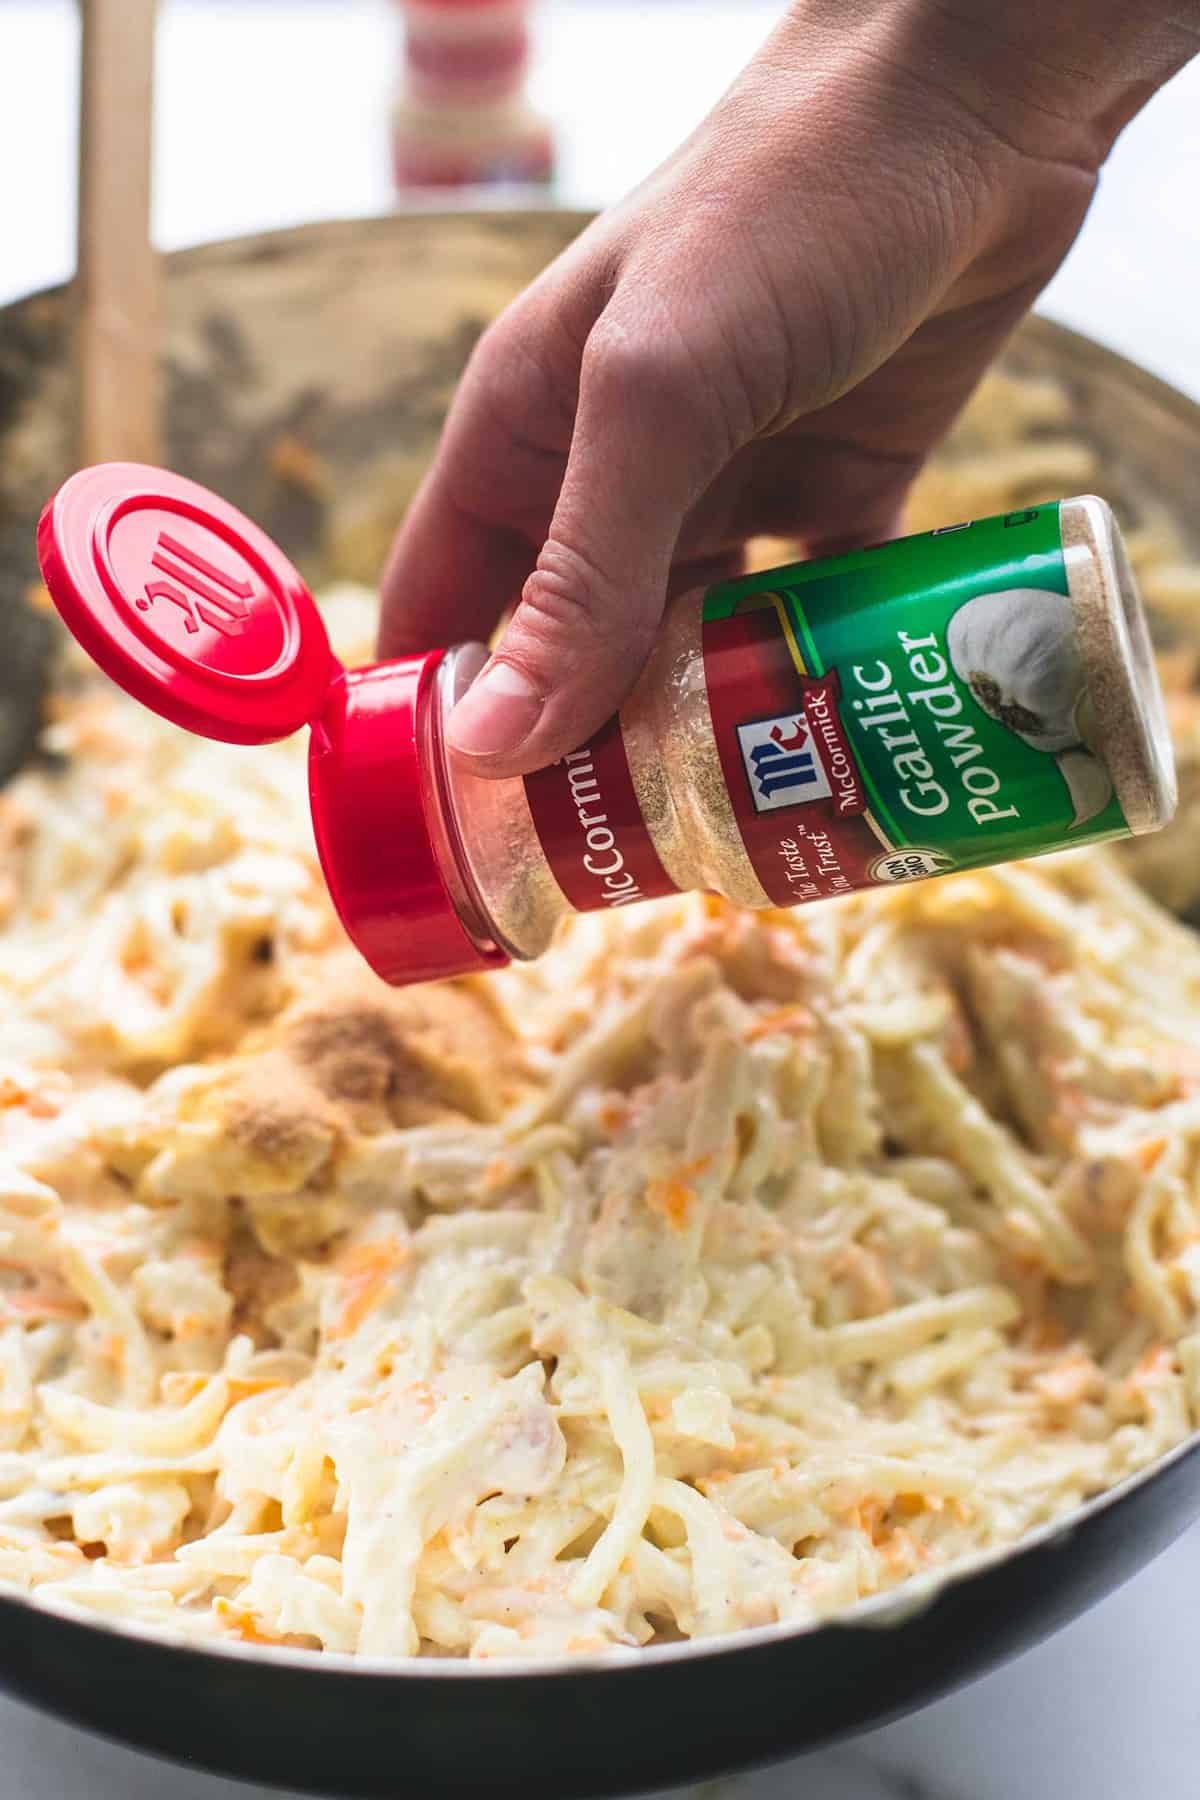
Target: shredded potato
{"x":718,"y":1270}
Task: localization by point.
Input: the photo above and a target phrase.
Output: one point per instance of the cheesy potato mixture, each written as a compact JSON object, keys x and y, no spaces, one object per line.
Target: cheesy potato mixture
{"x":719,"y":1270}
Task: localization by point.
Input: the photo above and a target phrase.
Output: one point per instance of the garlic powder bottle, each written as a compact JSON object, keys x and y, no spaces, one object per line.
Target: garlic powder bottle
{"x":968,"y":696}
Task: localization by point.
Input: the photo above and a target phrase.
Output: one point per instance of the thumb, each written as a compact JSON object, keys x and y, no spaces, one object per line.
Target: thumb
{"x":640,"y":458}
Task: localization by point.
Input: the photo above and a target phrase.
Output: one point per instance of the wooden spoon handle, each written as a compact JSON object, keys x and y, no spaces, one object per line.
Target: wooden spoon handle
{"x":119,"y":283}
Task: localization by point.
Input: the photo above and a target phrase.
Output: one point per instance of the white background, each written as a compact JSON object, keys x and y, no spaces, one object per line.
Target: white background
{"x":269,"y":114}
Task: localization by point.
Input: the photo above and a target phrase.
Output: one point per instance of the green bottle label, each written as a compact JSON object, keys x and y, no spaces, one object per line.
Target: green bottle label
{"x":906,"y":710}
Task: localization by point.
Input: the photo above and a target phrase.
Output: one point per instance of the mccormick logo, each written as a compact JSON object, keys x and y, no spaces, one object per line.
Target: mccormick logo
{"x":204,"y":593}
{"x":804,"y":755}
{"x":782,"y":762}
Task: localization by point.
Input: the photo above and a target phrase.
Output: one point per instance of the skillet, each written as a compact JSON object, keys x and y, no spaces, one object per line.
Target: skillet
{"x":324,"y":448}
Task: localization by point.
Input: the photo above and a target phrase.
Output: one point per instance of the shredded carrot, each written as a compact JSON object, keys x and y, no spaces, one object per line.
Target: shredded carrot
{"x":1155,"y":1363}
{"x":714,"y":1479}
{"x":672,"y":1200}
{"x":241,"y":1387}
{"x":498,"y":1174}
{"x":42,"y":1306}
{"x":178,"y":1386}
{"x":867,"y":1276}
{"x":36,"y":1102}
{"x":243,"y":1623}
{"x":1073,"y":1379}
{"x":366,"y":1271}
{"x":1147,"y":1154}
{"x":904,"y":1548}
{"x":140,"y":968}
{"x":795,"y":1020}
{"x":868,"y":1517}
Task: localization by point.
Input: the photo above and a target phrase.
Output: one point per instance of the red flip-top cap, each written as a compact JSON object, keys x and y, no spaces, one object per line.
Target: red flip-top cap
{"x":194,"y":611}
{"x":369,"y":785}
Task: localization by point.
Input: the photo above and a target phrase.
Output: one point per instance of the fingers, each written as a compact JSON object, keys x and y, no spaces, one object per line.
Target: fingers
{"x":811,"y":488}
{"x":449,"y":576}
{"x":471,"y":536}
{"x":641,"y":455}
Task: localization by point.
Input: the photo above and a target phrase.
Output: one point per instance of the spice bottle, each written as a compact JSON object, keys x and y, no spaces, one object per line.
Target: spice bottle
{"x":462,"y":118}
{"x":971,"y":695}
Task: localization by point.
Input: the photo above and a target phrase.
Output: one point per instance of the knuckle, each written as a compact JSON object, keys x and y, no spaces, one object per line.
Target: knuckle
{"x":630,"y":365}
{"x":671,"y":370}
{"x":489,"y":361}
{"x":520,"y":385}
{"x":570,"y":604}
{"x":568,"y":589}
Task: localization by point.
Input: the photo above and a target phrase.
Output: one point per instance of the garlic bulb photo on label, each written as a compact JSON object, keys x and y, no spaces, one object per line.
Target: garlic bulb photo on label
{"x":1088,"y":783}
{"x":1018,"y":654}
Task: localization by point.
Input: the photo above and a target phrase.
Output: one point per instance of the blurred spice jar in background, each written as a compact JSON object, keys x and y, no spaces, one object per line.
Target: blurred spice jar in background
{"x":461,"y":118}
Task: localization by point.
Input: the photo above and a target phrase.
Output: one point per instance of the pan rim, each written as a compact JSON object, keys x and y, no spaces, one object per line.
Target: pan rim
{"x":875,"y":1612}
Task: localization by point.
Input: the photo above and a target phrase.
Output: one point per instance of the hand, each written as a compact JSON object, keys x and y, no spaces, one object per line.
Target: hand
{"x":768,"y":336}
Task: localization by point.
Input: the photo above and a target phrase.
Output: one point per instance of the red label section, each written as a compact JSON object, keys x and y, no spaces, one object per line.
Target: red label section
{"x":795,"y":784}
{"x":591,"y":828}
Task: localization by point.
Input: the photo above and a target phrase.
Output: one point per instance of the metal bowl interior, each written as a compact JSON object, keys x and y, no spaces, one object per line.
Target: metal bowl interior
{"x":308,"y":373}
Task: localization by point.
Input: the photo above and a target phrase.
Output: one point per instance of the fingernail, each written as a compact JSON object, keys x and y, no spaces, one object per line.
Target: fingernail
{"x":497,"y":714}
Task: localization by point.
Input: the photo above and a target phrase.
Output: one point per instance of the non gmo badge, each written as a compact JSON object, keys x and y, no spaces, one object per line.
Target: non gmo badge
{"x":910,"y":864}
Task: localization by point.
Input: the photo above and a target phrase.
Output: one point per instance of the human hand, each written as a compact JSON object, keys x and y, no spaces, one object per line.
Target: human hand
{"x":768,"y":336}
